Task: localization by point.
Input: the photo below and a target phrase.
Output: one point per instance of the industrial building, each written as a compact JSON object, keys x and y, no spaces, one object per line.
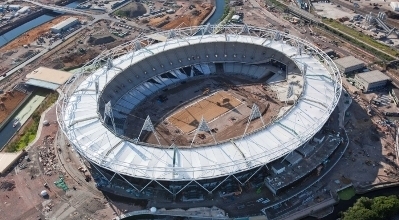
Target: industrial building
{"x":370,"y":81}
{"x":64,"y":25}
{"x":349,"y":64}
{"x":47,"y":78}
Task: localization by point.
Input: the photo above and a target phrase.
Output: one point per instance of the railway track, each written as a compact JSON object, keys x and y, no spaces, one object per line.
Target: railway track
{"x":351,"y":48}
{"x":366,"y":10}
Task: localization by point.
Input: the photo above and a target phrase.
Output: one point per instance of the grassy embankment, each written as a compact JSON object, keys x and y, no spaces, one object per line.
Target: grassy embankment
{"x":28,"y":133}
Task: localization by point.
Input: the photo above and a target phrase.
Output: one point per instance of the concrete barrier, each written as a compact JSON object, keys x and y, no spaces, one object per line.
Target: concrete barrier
{"x":372,"y":187}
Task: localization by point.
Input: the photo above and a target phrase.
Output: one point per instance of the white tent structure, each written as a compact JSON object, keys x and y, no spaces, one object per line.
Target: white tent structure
{"x":44,"y":193}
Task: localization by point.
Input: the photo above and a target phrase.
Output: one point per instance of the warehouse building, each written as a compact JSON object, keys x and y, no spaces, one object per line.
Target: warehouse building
{"x":64,"y":25}
{"x":370,"y":81}
{"x":48,"y":78}
{"x":349,"y":64}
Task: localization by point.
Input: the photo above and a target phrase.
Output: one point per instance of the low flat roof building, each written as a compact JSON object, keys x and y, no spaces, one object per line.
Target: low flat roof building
{"x":349,"y":64}
{"x":369,"y":81}
{"x":64,"y":25}
{"x":47,"y":78}
{"x":8,"y":159}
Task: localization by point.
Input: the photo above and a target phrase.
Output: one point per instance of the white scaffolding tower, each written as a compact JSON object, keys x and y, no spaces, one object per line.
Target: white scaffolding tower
{"x":147,"y":126}
{"x":203,"y":126}
{"x":108,"y":112}
{"x":255,"y":113}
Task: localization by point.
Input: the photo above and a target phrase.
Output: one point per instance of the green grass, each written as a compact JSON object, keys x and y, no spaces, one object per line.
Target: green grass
{"x":347,"y":193}
{"x":28,"y":133}
{"x":226,"y":10}
{"x":276,"y":3}
{"x":361,"y":37}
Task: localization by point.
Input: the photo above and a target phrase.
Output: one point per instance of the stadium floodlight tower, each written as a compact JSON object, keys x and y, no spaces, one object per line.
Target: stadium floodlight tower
{"x":131,"y":74}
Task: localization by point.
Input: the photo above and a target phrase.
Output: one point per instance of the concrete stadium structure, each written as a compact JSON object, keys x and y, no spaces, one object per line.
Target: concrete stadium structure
{"x":93,"y":110}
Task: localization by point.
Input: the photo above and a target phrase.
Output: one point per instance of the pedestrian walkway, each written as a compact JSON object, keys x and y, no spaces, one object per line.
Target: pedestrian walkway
{"x":30,"y":107}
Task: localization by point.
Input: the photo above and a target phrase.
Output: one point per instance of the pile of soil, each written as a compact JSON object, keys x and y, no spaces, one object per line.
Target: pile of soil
{"x":77,"y":58}
{"x":132,"y":10}
{"x":97,"y":40}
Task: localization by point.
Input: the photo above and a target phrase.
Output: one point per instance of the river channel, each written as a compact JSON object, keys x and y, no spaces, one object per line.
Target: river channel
{"x":14,"y":33}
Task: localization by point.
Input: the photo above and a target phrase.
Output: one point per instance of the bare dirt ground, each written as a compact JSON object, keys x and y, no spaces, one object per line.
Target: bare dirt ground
{"x":23,"y":201}
{"x":10,"y":102}
{"x":227,"y":123}
{"x":67,"y":54}
{"x":20,"y":188}
{"x":188,"y":118}
{"x":31,"y":36}
{"x":184,"y":17}
{"x":371,"y":155}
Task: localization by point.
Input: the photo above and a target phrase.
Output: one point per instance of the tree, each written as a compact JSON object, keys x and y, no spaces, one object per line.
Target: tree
{"x":379,"y":208}
{"x":385,"y":207}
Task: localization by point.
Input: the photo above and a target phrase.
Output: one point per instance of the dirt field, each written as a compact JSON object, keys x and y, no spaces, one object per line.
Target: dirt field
{"x":173,"y":123}
{"x":211,"y":107}
{"x":10,"y":103}
{"x":184,"y":17}
{"x":30,"y":36}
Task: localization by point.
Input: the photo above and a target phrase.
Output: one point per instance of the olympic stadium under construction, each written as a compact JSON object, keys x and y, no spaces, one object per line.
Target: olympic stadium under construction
{"x":209,"y":109}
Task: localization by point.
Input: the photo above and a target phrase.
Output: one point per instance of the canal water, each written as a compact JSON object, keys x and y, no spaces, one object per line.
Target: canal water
{"x":23,"y":115}
{"x":14,"y":33}
{"x":217,"y":15}
{"x":74,"y":4}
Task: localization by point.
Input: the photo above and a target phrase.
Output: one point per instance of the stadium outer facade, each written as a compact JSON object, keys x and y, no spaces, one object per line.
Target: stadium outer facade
{"x":93,"y":110}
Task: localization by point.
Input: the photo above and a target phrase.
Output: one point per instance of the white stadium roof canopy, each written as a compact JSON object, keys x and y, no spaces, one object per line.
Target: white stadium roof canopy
{"x":83,"y":126}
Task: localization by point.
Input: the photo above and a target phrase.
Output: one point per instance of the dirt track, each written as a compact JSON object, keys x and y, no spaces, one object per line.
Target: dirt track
{"x":211,"y":107}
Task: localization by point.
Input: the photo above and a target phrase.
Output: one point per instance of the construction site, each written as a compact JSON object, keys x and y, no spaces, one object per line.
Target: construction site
{"x":190,"y":13}
{"x":225,"y":103}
